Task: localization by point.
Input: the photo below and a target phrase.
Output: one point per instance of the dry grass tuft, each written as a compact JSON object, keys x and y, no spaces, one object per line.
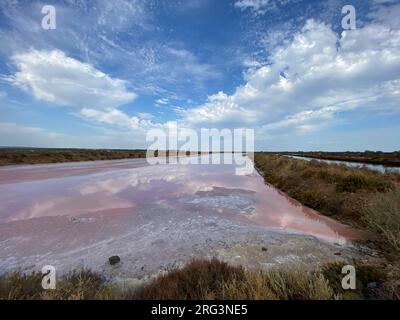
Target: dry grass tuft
{"x":382,"y":217}
{"x":35,"y":156}
{"x":200,"y":279}
{"x":19,"y":286}
{"x":280,"y":284}
{"x":213,"y":279}
{"x":208,"y":280}
{"x":334,"y":190}
{"x":79,"y":285}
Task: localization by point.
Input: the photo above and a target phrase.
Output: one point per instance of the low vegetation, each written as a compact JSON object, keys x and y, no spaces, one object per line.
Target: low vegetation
{"x":208,"y":280}
{"x":382,"y":217}
{"x":372,"y":157}
{"x":10,"y":156}
{"x":361,"y":197}
{"x":364,"y":198}
{"x":372,"y":282}
{"x":82,"y":285}
{"x":198,"y":280}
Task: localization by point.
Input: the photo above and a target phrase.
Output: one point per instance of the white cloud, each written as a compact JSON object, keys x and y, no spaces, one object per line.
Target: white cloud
{"x":145,"y":115}
{"x":121,"y":122}
{"x":383,"y":1}
{"x":12,"y":134}
{"x":125,"y":35}
{"x":220,"y":109}
{"x":311,"y":79}
{"x":188,"y":5}
{"x":188,"y":63}
{"x":112,"y":116}
{"x":388,"y":15}
{"x":258,"y":6}
{"x":54,"y":77}
{"x":13,"y":127}
{"x":162,"y":101}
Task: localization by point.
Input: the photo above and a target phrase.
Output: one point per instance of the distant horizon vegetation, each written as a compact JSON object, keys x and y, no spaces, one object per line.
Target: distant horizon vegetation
{"x":32,"y":155}
{"x":141,"y":149}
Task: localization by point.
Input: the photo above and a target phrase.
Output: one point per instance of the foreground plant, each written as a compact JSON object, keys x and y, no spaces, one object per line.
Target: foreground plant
{"x":209,"y":280}
{"x":382,"y":217}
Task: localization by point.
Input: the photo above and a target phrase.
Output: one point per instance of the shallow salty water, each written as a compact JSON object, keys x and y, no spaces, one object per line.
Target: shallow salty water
{"x":375,"y":167}
{"x":86,"y":211}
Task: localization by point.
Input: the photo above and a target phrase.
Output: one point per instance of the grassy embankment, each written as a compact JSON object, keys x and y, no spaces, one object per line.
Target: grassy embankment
{"x":361,"y":197}
{"x":10,"y":156}
{"x":205,"y":280}
{"x":372,"y":157}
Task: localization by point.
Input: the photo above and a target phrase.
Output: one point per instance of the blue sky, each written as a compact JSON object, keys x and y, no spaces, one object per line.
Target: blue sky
{"x":112,"y":70}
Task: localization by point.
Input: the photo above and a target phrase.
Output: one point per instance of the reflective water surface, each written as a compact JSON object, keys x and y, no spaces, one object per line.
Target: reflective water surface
{"x":375,"y":167}
{"x":53,"y":209}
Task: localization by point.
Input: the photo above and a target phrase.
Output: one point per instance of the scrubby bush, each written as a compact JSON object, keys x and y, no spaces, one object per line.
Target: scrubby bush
{"x":79,"y":285}
{"x":356,"y":182}
{"x":19,"y":286}
{"x":382,"y":217}
{"x":200,"y":279}
{"x":23,"y":156}
{"x":332,"y":189}
{"x":369,"y":280}
{"x":209,"y":280}
{"x":282,"y":284}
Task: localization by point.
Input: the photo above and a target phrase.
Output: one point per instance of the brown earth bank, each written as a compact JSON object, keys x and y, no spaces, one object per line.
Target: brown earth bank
{"x":11,"y":156}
